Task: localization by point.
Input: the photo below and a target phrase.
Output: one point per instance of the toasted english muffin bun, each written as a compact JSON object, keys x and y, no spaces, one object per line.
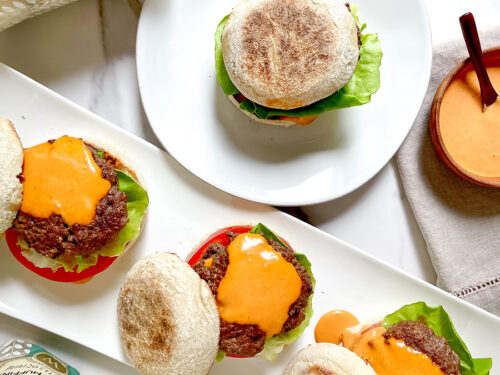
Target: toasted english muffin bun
{"x":11,"y":165}
{"x":289,"y":54}
{"x":325,"y":358}
{"x":168,"y":318}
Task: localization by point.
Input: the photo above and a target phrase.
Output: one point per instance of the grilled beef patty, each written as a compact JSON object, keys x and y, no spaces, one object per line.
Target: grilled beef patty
{"x":244,"y":339}
{"x":420,"y":337}
{"x":52,"y":237}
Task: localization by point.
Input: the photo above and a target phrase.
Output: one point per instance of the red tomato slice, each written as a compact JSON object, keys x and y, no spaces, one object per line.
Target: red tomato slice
{"x":60,"y":275}
{"x":220,"y":237}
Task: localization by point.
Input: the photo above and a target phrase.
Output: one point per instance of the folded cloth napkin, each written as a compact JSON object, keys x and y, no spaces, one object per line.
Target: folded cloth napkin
{"x":459,"y":220}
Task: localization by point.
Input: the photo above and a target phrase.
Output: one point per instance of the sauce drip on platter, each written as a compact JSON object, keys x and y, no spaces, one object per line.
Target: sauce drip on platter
{"x":332,"y":326}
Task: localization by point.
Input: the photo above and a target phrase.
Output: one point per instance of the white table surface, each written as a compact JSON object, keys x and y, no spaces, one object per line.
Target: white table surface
{"x":86,"y":52}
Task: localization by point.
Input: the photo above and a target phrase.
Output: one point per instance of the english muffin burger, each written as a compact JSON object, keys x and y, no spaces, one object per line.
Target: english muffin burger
{"x":284,"y":62}
{"x":262,"y":287}
{"x":81,"y":208}
{"x":416,"y":339}
{"x":430,"y":333}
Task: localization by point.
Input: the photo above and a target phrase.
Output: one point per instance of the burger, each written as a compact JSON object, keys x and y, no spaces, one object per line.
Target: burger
{"x":242,"y":293}
{"x":284,"y":62}
{"x":326,"y":358}
{"x":167,"y":318}
{"x":416,"y":339}
{"x":263,"y":290}
{"x":429,"y":331}
{"x":80,"y":209}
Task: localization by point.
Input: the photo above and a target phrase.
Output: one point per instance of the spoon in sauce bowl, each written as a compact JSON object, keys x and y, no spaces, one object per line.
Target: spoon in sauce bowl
{"x":469,"y":30}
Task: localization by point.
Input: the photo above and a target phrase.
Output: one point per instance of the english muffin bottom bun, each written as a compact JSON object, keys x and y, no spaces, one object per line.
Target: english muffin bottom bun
{"x":168,"y":318}
{"x":263,"y":288}
{"x":325,"y":358}
{"x":82,"y":208}
{"x":11,"y":164}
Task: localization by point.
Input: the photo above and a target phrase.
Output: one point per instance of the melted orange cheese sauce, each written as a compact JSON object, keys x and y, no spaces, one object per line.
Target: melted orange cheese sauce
{"x":62,"y":178}
{"x":393,"y":357}
{"x":332,"y":325}
{"x":471,"y":136}
{"x":259,"y":285}
{"x":387,"y":357}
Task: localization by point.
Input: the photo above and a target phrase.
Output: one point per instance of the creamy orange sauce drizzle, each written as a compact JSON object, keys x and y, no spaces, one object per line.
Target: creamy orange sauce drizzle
{"x":471,"y":136}
{"x":303,"y":121}
{"x":259,"y":285}
{"x":332,"y":325}
{"x":62,"y":178}
{"x":387,"y":357}
{"x":393,"y":357}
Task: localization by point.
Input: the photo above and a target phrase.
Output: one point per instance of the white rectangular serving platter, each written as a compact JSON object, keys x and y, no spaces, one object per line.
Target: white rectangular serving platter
{"x":182,"y":211}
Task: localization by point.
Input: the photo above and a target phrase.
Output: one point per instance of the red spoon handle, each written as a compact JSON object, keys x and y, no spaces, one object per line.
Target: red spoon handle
{"x":468,"y":24}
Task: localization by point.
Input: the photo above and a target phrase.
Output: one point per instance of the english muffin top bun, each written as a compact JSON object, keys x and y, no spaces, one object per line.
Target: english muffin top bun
{"x":168,"y":318}
{"x":11,"y":164}
{"x":325,"y":358}
{"x":289,"y":54}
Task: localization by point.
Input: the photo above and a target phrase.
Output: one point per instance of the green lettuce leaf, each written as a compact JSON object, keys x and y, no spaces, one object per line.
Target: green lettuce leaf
{"x":44,"y":262}
{"x":268,"y":233}
{"x":358,"y":90}
{"x":354,"y":11}
{"x":222,"y":76}
{"x":438,"y":320}
{"x":137,"y":202}
{"x":220,"y":355}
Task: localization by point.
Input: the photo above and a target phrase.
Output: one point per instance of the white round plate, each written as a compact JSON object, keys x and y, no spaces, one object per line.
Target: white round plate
{"x":296,"y":166}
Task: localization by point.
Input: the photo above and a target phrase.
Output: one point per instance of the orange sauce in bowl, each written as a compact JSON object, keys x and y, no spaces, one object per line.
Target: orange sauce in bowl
{"x":62,"y":178}
{"x":470,"y":136}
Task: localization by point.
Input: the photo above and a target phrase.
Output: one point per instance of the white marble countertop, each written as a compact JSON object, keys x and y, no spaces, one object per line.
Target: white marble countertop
{"x":86,"y":52}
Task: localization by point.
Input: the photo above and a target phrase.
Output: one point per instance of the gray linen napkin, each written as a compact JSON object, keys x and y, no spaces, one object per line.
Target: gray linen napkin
{"x":459,"y":220}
